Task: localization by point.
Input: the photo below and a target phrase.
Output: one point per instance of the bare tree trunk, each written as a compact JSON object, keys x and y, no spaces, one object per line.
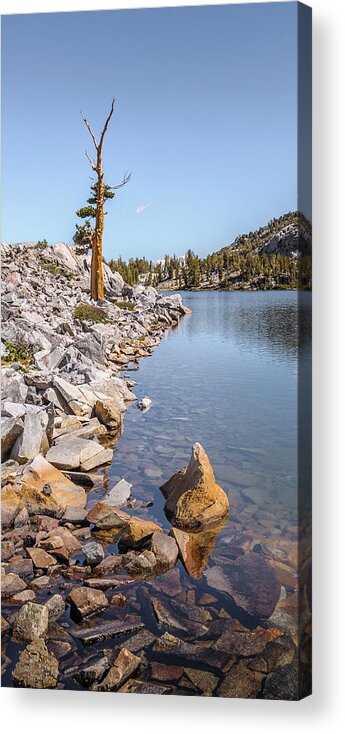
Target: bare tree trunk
{"x":97,"y":276}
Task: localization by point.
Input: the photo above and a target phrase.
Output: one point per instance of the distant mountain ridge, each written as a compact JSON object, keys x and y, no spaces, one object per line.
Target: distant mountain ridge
{"x":275,"y":256}
{"x":288,"y":235}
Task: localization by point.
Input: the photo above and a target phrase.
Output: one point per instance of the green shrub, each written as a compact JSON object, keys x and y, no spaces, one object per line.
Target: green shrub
{"x":19,"y":352}
{"x":125,"y":305}
{"x":41,"y":245}
{"x":86,"y":312}
{"x":52,"y":268}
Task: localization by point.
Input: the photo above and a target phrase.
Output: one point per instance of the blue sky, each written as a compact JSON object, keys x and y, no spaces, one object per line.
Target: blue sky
{"x":206,"y":116}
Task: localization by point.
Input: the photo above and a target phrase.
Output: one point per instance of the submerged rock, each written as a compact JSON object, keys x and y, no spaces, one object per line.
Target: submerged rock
{"x":119,"y":494}
{"x":36,"y":668}
{"x":193,"y":499}
{"x":250,"y":581}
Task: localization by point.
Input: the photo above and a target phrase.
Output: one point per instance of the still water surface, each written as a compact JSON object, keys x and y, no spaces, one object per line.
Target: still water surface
{"x":227,"y":378}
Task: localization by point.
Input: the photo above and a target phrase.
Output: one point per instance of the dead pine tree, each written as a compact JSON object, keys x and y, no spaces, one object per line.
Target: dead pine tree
{"x":95,"y":210}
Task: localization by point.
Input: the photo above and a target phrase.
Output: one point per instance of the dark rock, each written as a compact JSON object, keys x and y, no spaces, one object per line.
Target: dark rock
{"x":125,"y":664}
{"x":288,"y":683}
{"x":240,"y":682}
{"x":250,"y":581}
{"x":170,"y":645}
{"x":142,"y":686}
{"x":36,"y":668}
{"x":107,"y":629}
{"x":86,"y":601}
{"x":92,"y":672}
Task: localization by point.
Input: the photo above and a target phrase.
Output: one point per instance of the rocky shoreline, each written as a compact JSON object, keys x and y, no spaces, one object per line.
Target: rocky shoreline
{"x":92,"y":592}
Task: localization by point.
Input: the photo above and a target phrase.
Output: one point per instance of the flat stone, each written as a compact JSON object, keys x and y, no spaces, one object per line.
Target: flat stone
{"x":163,"y":672}
{"x":143,"y":686}
{"x":250,"y":581}
{"x":140,"y":641}
{"x":181,"y":616}
{"x":23,"y":596}
{"x":30,"y":622}
{"x":41,"y":559}
{"x":125,"y":664}
{"x":86,"y":601}
{"x":63,"y":492}
{"x":11,"y":584}
{"x":104,"y":457}
{"x":138,"y":532}
{"x":36,"y":668}
{"x":73,"y":453}
{"x":105,"y":517}
{"x":236,"y":639}
{"x":240,"y":682}
{"x":108,"y":582}
{"x":170,"y":645}
{"x":119,"y":494}
{"x":107,"y":629}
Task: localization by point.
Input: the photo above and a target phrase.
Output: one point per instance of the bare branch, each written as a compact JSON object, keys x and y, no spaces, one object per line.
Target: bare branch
{"x":89,"y":129}
{"x":92,"y":163}
{"x":106,"y":124}
{"x":126,"y":178}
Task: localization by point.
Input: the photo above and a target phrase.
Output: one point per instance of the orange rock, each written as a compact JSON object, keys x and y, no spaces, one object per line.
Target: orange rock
{"x":193,"y":499}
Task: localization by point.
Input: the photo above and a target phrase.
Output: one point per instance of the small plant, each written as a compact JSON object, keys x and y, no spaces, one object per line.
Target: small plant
{"x":86,"y":312}
{"x":41,"y":245}
{"x":18,"y":351}
{"x":52,"y":269}
{"x":125,"y":305}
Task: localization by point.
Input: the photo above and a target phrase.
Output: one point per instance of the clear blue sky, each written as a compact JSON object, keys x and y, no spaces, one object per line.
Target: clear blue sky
{"x":206,"y":111}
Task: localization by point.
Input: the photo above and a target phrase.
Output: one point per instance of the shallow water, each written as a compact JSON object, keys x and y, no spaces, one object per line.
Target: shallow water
{"x":227,"y":378}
